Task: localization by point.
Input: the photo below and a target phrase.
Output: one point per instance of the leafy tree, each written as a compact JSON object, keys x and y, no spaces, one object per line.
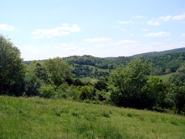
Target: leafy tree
{"x":126,"y":83}
{"x":178,"y":95}
{"x":158,"y":93}
{"x":78,"y":82}
{"x":11,"y":69}
{"x":58,"y":71}
{"x":41,"y":72}
{"x":100,"y":85}
{"x":32,"y":84}
{"x":47,"y":91}
{"x":87,"y":92}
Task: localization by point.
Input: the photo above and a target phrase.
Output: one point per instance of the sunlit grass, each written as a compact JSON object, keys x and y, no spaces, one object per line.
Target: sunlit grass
{"x":166,"y":77}
{"x":89,"y":79}
{"x":49,"y":118}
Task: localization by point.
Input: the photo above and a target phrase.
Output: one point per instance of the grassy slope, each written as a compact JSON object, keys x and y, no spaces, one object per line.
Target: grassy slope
{"x":166,"y":77}
{"x":47,"y":118}
{"x":89,"y":79}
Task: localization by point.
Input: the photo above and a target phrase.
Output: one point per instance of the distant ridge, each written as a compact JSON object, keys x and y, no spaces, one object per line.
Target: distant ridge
{"x":178,"y":50}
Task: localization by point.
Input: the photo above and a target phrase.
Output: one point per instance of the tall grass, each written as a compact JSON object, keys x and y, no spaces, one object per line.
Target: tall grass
{"x":28,"y":118}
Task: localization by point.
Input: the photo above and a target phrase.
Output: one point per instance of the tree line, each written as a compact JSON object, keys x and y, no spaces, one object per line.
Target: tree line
{"x":128,"y":85}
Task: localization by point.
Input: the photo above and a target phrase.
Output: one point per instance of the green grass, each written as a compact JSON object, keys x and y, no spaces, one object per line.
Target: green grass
{"x":166,"y":77}
{"x":89,"y":79}
{"x":28,"y":118}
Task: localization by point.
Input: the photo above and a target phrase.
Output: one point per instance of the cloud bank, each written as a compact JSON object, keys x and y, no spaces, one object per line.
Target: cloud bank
{"x":168,"y":17}
{"x":65,"y":29}
{"x":6,"y":27}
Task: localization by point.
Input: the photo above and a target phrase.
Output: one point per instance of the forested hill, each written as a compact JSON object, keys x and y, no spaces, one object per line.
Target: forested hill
{"x":178,"y":50}
{"x":163,"y":62}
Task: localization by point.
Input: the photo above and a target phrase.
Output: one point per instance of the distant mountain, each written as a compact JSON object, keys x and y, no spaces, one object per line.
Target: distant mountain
{"x":163,"y":62}
{"x":178,"y":50}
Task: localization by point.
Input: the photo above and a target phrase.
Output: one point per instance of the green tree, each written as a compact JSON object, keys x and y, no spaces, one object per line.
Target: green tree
{"x":178,"y":95}
{"x":32,"y":84}
{"x":158,"y":93}
{"x":179,"y":77}
{"x":41,"y":72}
{"x":11,"y":69}
{"x":126,"y":83}
{"x":87,"y":92}
{"x":58,"y":71}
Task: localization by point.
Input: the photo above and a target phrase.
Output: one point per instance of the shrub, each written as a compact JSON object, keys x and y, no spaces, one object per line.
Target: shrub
{"x":32,"y":85}
{"x":47,"y":91}
{"x":87,"y":92}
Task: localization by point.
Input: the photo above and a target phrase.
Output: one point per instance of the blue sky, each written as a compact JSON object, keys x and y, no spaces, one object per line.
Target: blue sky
{"x":45,"y":29}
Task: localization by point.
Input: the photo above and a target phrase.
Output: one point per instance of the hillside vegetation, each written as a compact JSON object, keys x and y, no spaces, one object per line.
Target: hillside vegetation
{"x":164,"y":62}
{"x":121,"y":81}
{"x":42,"y":88}
{"x":48,"y":118}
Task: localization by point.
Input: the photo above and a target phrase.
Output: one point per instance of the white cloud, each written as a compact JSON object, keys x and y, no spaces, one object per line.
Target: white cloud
{"x":126,"y":42}
{"x":158,"y":34}
{"x":138,"y":16}
{"x":65,"y":29}
{"x":6,"y":27}
{"x":177,"y":17}
{"x":183,"y":35}
{"x":165,"y":18}
{"x":125,"y":22}
{"x":153,"y":23}
{"x":97,"y":39}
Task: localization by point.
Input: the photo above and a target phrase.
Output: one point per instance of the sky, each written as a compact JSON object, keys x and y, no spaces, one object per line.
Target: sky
{"x":43,"y":29}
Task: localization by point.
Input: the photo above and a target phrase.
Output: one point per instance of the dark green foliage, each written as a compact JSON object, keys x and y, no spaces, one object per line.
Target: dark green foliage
{"x":87,"y":92}
{"x":179,"y":77}
{"x":126,"y":83}
{"x":11,"y":69}
{"x":102,"y":96}
{"x":41,"y":72}
{"x":178,"y":95}
{"x":32,"y":84}
{"x":78,"y":82}
{"x":158,"y":93}
{"x":100,"y":85}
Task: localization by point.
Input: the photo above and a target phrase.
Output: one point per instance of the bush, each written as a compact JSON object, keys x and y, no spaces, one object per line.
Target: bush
{"x":62,"y":90}
{"x":73,"y":93}
{"x":87,"y":92}
{"x":32,"y":85}
{"x":47,"y":91}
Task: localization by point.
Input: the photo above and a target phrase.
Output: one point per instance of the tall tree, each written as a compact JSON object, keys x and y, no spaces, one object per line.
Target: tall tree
{"x":11,"y":69}
{"x":58,"y":71}
{"x":126,"y":83}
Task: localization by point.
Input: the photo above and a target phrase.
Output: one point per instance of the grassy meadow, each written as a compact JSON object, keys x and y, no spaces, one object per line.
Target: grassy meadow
{"x":89,"y":79}
{"x":28,"y":118}
{"x":166,"y":77}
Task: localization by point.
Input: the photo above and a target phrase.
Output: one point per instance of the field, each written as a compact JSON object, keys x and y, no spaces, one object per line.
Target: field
{"x":28,"y":118}
{"x":166,"y":77}
{"x":89,"y":79}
